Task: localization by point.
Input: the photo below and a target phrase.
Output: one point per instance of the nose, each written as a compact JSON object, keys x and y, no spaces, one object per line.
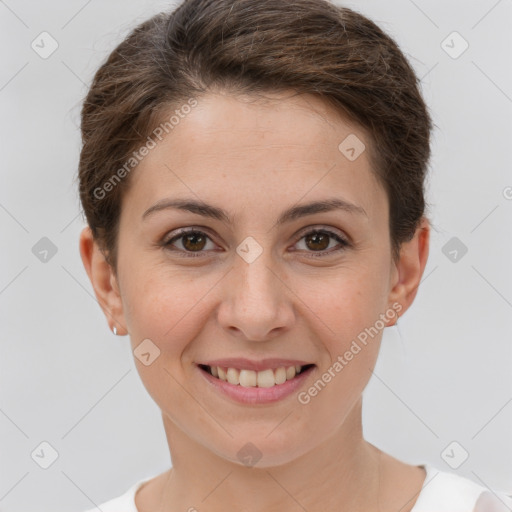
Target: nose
{"x":256,"y":303}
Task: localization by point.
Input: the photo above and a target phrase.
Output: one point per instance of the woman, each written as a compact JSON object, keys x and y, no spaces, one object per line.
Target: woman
{"x":252,"y":174}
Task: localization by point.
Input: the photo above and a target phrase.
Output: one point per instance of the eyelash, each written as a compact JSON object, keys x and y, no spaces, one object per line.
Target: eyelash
{"x":191,"y":254}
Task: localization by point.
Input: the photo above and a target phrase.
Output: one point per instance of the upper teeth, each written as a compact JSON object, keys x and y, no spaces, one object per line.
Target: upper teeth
{"x":250,"y":378}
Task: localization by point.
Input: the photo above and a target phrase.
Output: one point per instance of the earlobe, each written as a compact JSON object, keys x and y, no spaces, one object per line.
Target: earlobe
{"x":410,"y":267}
{"x":103,"y":280}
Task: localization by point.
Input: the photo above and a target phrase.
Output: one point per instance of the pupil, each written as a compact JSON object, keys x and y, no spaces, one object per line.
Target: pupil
{"x":318,"y":238}
{"x":193,"y":237}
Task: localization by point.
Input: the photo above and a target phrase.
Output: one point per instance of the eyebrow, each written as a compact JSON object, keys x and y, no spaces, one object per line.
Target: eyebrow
{"x":293,"y":213}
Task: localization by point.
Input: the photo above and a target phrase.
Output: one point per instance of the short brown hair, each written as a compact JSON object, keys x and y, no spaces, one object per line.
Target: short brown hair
{"x":252,"y":47}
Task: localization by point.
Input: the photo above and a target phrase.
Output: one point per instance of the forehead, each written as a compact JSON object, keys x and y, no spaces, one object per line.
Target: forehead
{"x":301,"y":121}
{"x":280,"y":148}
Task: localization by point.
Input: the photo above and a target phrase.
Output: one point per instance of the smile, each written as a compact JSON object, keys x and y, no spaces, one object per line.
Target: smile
{"x":266,"y":382}
{"x":250,"y":379}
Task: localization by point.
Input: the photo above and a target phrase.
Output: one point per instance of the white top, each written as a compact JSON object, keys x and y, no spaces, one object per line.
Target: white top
{"x":441,"y":492}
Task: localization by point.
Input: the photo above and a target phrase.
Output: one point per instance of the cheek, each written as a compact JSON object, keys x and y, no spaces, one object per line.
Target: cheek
{"x":166,"y":310}
{"x":350,"y":329}
{"x":347,"y":300}
{"x":349,"y":323}
{"x":165,"y":306}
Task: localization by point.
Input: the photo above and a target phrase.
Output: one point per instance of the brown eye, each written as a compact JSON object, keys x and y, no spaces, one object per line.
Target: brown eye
{"x":318,"y":241}
{"x":194,"y":241}
{"x":191,"y":241}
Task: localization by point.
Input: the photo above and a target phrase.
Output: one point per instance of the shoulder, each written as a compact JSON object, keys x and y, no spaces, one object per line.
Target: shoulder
{"x":123,"y":503}
{"x":447,"y":492}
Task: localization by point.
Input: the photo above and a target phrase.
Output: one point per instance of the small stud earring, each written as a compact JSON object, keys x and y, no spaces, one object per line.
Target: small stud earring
{"x":114,"y":330}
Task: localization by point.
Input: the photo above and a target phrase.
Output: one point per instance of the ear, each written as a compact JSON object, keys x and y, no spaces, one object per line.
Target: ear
{"x":103,"y":280}
{"x":408,"y":270}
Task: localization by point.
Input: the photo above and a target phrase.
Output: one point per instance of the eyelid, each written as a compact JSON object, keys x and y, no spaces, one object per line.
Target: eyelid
{"x":327,"y":229}
{"x":184,"y":231}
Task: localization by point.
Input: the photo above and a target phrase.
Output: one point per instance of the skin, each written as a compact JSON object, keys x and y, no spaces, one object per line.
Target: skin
{"x":255,"y":159}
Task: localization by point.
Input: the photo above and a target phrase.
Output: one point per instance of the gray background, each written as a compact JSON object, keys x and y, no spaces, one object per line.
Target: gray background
{"x":444,"y":375}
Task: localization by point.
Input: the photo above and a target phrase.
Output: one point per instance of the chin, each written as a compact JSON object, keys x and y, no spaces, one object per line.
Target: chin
{"x":263,"y":450}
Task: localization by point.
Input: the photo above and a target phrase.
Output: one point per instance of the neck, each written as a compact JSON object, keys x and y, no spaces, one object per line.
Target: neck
{"x":342,"y":473}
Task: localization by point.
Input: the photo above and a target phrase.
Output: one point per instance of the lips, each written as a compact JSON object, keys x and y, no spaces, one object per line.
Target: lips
{"x":254,"y":395}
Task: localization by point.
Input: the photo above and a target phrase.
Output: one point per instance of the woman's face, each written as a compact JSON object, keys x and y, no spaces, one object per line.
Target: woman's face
{"x":249,"y":285}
